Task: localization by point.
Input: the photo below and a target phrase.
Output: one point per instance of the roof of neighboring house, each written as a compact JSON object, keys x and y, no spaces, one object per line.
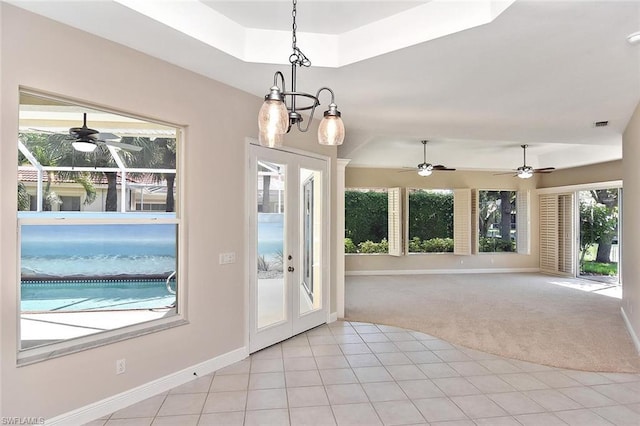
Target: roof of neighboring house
{"x":31,"y":175}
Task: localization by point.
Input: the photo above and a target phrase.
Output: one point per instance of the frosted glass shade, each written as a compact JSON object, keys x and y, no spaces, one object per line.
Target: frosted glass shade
{"x":525,"y":174}
{"x":83,"y":146}
{"x":270,"y":139}
{"x":273,"y":117}
{"x":331,"y":130}
{"x":424,"y":172}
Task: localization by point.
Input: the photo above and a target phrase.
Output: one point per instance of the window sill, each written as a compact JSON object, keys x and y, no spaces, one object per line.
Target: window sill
{"x":67,"y":347}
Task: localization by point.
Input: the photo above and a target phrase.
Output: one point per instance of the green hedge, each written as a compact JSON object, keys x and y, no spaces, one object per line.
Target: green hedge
{"x":365,"y":216}
{"x":491,"y":244}
{"x":366,"y":246}
{"x":430,"y":215}
{"x":433,"y":245}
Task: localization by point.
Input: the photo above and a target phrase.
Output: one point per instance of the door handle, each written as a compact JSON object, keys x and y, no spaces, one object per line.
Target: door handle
{"x":290,"y":269}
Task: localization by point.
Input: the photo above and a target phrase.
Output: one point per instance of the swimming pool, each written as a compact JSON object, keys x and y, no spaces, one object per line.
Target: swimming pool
{"x":96,"y":267}
{"x":95,"y":295}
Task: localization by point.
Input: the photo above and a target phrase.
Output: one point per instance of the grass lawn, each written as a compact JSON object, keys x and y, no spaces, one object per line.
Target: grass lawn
{"x":597,"y":268}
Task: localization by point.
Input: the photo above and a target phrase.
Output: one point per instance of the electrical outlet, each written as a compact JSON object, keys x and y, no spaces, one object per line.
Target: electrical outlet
{"x":226,"y":258}
{"x":121,"y":366}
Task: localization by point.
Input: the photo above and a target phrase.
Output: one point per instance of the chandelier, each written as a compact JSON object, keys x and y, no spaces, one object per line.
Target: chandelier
{"x":281,"y":109}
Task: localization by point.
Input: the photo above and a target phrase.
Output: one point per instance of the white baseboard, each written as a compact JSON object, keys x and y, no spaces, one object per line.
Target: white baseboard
{"x":114,"y":403}
{"x":442,"y":271}
{"x":333,"y":316}
{"x":632,"y":333}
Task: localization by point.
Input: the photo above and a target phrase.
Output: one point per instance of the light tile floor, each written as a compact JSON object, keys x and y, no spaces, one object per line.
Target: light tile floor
{"x":355,"y":373}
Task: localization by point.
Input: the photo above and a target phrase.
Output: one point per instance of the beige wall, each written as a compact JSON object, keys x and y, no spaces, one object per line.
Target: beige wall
{"x":630,"y":223}
{"x":38,"y":53}
{"x":601,"y":172}
{"x":386,"y":178}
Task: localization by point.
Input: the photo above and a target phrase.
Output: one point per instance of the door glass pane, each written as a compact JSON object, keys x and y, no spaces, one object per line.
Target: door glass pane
{"x":311,"y":232}
{"x":270,"y":295}
{"x":599,"y":248}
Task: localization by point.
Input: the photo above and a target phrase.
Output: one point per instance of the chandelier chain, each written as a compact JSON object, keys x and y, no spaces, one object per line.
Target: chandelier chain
{"x":294,"y":26}
{"x":297,"y":57}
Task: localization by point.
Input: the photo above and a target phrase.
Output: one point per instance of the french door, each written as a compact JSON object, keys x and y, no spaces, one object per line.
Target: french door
{"x":288,"y":244}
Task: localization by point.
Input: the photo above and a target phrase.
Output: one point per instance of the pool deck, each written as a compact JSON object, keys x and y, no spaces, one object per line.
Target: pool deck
{"x":42,"y":328}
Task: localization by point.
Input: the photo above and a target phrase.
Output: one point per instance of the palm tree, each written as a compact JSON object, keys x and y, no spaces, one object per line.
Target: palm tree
{"x":24,"y":200}
{"x":54,"y":150}
{"x":157,"y":154}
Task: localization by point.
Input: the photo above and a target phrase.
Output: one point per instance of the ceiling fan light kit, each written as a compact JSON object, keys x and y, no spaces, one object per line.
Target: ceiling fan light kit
{"x":524,"y":171}
{"x":281,"y":111}
{"x":84,"y":145}
{"x":87,"y":140}
{"x":425,"y":169}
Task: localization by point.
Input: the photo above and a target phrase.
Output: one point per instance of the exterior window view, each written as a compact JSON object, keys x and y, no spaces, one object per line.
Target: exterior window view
{"x":97,"y":221}
{"x":599,"y":238}
{"x":366,"y":220}
{"x":430,"y":221}
{"x":497,"y":221}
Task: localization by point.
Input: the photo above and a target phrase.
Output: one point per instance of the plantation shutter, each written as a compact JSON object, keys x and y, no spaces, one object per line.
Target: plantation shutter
{"x":548,"y":233}
{"x":395,"y":222}
{"x":474,"y":221}
{"x":462,"y":222}
{"x":566,"y":257}
{"x":523,"y":223}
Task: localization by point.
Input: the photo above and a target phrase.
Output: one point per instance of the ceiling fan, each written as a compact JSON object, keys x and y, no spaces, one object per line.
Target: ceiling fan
{"x":524,"y":171}
{"x":425,"y":169}
{"x":87,"y":140}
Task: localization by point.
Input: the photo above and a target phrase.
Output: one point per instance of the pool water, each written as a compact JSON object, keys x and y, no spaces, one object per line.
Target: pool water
{"x":94,"y":295}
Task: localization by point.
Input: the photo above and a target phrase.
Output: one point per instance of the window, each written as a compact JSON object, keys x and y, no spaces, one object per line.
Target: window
{"x":497,"y":220}
{"x":109,"y":269}
{"x":69,"y":203}
{"x":366,"y":220}
{"x":430,"y":221}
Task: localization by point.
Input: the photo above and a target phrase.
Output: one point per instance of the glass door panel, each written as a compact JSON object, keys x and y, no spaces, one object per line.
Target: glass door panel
{"x":271,"y":196}
{"x":310,"y":289}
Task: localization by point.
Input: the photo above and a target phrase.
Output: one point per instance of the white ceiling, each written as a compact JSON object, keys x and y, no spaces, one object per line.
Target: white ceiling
{"x":537,"y":72}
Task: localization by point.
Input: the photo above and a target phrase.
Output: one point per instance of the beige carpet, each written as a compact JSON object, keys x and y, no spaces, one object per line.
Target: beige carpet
{"x":519,"y":316}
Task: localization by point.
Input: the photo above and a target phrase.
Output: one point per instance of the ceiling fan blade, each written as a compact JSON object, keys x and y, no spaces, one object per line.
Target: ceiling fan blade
{"x":107,"y":136}
{"x":505,"y":173}
{"x":544,"y":170}
{"x":121,"y":145}
{"x":49,"y":132}
{"x":441,"y":168}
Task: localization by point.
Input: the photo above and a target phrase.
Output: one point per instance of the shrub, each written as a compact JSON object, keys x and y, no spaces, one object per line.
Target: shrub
{"x":415,"y":245}
{"x":490,"y":244}
{"x":365,"y":215}
{"x":349,"y":247}
{"x":371,"y":247}
{"x":438,"y":245}
{"x":433,"y":245}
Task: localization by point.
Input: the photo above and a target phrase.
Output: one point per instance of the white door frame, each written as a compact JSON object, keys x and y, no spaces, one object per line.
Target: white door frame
{"x":250,"y":226}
